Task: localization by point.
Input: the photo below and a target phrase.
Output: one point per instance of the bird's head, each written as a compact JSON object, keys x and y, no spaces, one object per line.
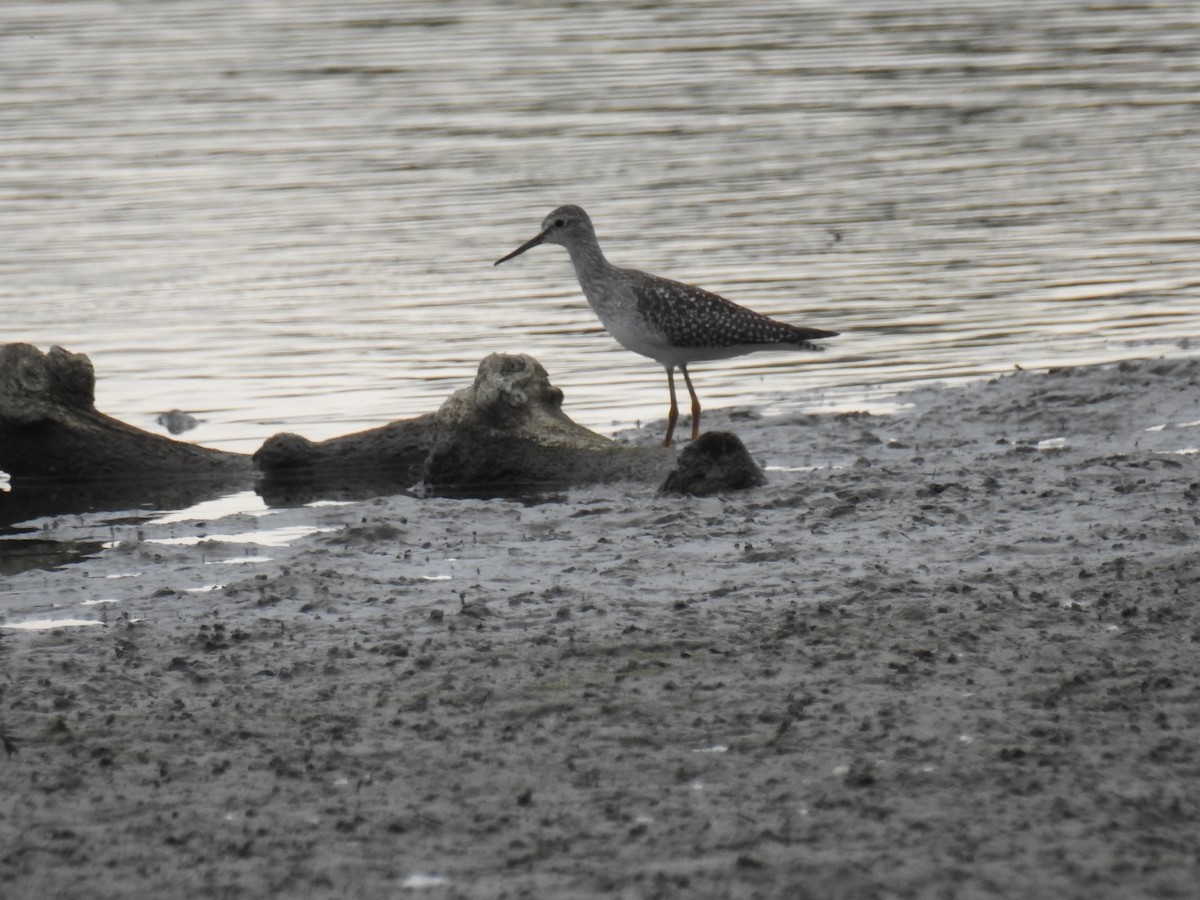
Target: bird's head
{"x":567,"y":225}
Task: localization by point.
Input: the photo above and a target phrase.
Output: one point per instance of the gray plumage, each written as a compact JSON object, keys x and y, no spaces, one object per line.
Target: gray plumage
{"x":693,"y":318}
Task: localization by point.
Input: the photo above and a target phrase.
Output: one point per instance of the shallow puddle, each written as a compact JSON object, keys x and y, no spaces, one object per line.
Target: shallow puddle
{"x":48,"y":624}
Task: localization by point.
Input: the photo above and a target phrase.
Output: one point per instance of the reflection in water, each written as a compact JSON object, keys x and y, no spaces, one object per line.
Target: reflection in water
{"x":282,"y":216}
{"x":33,"y":498}
{"x":49,"y":624}
{"x":233,"y":504}
{"x":20,"y":554}
{"x":271,"y":537}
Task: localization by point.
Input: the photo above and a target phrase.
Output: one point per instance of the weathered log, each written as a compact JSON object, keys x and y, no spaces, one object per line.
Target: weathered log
{"x":50,"y":428}
{"x":396,"y":451}
{"x":371,"y":463}
{"x":506,"y":431}
{"x":509,"y":428}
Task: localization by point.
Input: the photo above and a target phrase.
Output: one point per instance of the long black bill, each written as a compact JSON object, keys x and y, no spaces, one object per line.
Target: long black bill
{"x":525,"y":246}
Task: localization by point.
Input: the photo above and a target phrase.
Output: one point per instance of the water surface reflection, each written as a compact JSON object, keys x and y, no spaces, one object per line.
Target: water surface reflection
{"x":282,"y":216}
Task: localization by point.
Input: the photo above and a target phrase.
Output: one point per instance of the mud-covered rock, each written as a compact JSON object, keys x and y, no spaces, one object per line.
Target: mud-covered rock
{"x":715,"y":462}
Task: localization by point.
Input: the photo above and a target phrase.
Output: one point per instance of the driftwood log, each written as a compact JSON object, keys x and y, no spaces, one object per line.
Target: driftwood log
{"x":50,"y":428}
{"x":506,"y":432}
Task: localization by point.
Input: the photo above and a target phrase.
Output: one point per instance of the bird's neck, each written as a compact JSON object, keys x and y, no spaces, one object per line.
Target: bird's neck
{"x":590,"y":264}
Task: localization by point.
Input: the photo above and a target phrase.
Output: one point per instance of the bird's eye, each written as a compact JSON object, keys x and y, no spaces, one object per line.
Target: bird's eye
{"x":559,"y":223}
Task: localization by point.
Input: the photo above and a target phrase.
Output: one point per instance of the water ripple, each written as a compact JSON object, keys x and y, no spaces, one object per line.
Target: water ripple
{"x":282,"y":216}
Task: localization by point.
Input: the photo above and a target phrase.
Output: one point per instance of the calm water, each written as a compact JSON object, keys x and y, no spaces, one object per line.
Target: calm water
{"x":282,"y":215}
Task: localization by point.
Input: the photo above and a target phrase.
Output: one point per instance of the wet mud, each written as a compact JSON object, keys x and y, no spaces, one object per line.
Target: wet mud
{"x":943,"y":653}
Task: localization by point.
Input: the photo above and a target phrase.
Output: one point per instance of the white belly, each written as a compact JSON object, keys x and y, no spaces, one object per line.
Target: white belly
{"x":639,"y":338}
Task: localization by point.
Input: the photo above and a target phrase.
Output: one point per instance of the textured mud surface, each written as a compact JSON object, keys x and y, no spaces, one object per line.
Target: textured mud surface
{"x":950,"y":652}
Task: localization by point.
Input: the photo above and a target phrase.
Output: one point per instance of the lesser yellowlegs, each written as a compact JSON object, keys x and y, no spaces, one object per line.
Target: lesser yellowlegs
{"x":671,"y":322}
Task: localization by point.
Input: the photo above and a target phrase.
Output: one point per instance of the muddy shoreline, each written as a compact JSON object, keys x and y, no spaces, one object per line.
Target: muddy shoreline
{"x":948,"y":652}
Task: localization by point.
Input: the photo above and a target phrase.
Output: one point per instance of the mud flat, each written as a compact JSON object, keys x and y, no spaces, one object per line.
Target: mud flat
{"x":946,"y":652}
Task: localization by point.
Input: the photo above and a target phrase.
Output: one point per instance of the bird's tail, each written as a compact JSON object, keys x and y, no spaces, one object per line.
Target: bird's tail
{"x":804,"y":335}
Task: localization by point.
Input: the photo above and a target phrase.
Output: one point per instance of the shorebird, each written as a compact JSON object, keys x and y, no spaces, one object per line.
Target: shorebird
{"x":673,"y":323}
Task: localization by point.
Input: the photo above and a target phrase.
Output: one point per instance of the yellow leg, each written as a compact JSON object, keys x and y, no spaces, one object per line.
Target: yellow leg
{"x":673,"y":415}
{"x":695,"y":403}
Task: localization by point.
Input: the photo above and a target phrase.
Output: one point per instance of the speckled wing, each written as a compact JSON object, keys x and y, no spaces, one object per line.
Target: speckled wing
{"x":693,"y":317}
